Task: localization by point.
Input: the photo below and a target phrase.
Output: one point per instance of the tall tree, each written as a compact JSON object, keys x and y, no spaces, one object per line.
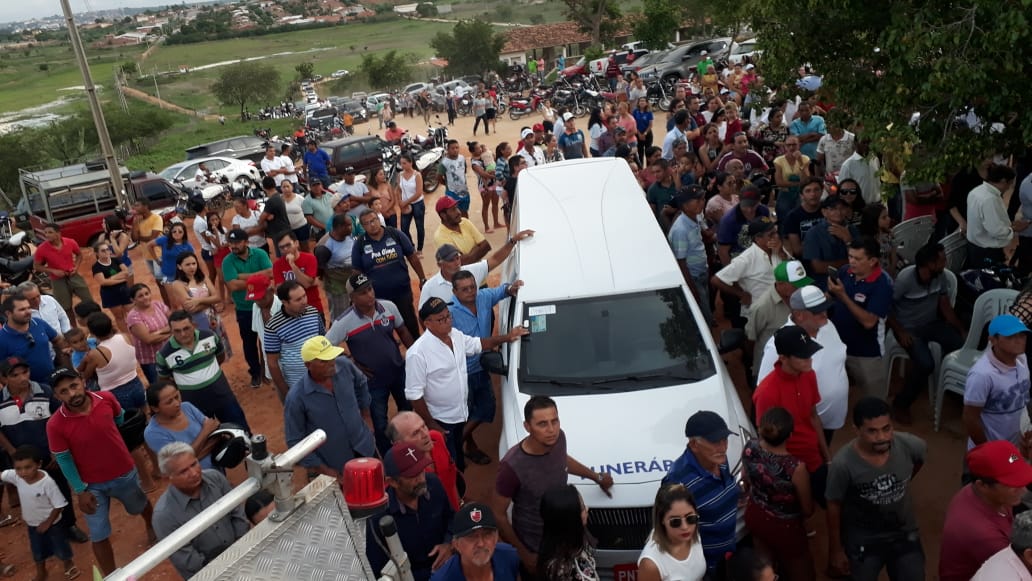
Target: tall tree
{"x":659,"y":24}
{"x":390,"y":70}
{"x":246,"y":82}
{"x":304,"y":70}
{"x":472,"y":47}
{"x":599,"y":18}
{"x":961,"y":65}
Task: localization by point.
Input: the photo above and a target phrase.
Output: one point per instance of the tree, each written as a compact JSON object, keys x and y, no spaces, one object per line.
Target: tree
{"x":599,"y":18}
{"x":128,"y":68}
{"x":426,"y":10}
{"x":44,"y":67}
{"x":537,"y":18}
{"x":304,"y":70}
{"x":891,"y":59}
{"x":390,"y":70}
{"x":472,"y":47}
{"x":246,"y":82}
{"x":661,"y":21}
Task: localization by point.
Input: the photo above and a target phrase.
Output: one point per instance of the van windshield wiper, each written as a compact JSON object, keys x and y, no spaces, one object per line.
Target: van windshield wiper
{"x":558,"y":382}
{"x":642,"y":377}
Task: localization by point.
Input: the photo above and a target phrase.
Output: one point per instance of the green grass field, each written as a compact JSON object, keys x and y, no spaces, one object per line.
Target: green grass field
{"x":23,"y":84}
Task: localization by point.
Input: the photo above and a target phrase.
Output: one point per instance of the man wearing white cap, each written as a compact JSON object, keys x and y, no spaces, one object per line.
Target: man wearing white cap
{"x":528,"y":148}
{"x":809,"y":308}
{"x":770,"y":310}
{"x":571,"y":140}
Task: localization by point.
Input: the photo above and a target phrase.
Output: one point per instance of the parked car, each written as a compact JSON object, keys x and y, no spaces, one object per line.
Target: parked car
{"x":622,"y":57}
{"x":746,"y":48}
{"x":244,"y":172}
{"x":414,"y":88}
{"x":357,"y":109}
{"x":374,"y":100}
{"x":239,"y":147}
{"x":578,"y":67}
{"x":642,"y":62}
{"x":361,"y":153}
{"x":360,"y":95}
{"x":679,"y":64}
{"x":341,"y":73}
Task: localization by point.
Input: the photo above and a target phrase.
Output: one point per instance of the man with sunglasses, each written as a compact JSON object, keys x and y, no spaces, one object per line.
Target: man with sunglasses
{"x":704,"y":470}
{"x":30,"y":338}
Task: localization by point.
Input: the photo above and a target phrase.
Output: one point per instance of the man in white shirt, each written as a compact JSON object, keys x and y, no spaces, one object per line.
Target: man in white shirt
{"x":834,"y":147}
{"x":990,"y":229}
{"x":272,"y":165}
{"x":290,"y":173}
{"x":435,"y":373}
{"x":45,"y":307}
{"x":681,"y":121}
{"x":809,"y":310}
{"x":357,"y":192}
{"x":1013,"y":562}
{"x":449,"y":259}
{"x":864,"y":171}
{"x":751,"y":273}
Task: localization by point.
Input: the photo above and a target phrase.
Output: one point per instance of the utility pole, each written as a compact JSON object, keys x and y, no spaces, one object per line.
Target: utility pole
{"x":98,"y":115}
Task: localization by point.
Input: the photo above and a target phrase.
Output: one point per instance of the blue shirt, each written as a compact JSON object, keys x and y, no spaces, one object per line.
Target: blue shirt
{"x":169,"y":255}
{"x":419,"y":530}
{"x":383,"y":261}
{"x":158,"y":436}
{"x":505,"y":564}
{"x":33,"y":347}
{"x":685,"y":239}
{"x":1002,"y":392}
{"x":480,"y":324}
{"x":317,"y":162}
{"x":571,"y":144}
{"x":371,"y":341}
{"x":310,"y":406}
{"x":819,"y":244}
{"x":717,"y":500}
{"x":873,"y":294}
{"x":816,"y":125}
{"x":28,"y":424}
{"x":731,"y":228}
{"x":642,"y":119}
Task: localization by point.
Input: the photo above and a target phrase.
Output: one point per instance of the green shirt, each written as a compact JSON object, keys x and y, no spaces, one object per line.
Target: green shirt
{"x":318,"y":208}
{"x":233,"y":266}
{"x":195,"y":368}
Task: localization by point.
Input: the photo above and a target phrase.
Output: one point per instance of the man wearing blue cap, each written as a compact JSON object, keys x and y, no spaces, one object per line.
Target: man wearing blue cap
{"x":997,"y":387}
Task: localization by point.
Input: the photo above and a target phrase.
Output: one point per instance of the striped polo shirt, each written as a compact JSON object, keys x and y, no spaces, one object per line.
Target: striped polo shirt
{"x":191,"y":368}
{"x":285,"y":335}
{"x":717,"y":501}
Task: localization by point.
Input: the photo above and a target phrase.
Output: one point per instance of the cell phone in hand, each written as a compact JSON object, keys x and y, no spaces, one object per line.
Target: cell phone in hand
{"x":833,"y":274}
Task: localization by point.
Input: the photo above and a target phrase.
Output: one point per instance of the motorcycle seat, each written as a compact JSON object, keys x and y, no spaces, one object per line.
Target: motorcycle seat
{"x":16,"y":266}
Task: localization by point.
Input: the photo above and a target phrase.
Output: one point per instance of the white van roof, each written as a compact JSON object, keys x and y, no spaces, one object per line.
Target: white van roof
{"x":594,"y":232}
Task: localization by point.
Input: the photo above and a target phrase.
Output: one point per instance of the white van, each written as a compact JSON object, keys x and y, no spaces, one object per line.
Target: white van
{"x":616,"y":339}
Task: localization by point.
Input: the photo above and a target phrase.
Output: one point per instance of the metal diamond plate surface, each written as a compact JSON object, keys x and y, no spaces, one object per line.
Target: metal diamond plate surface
{"x":317,"y":543}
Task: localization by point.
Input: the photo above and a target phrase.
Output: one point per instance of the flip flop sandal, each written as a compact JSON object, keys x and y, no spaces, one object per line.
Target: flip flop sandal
{"x":7,"y":570}
{"x":8,"y":520}
{"x":72,"y":573}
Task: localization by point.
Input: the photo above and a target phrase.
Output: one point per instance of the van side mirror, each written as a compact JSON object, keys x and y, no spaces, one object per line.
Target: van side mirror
{"x":493,"y":363}
{"x":730,"y":340}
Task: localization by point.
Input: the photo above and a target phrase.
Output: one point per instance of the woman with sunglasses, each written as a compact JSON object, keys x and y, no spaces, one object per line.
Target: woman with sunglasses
{"x":779,"y":498}
{"x":674,"y":549}
{"x":849,"y":192}
{"x":113,"y":277}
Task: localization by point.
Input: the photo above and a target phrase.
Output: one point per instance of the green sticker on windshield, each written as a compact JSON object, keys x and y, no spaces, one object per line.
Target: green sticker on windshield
{"x":537,"y":324}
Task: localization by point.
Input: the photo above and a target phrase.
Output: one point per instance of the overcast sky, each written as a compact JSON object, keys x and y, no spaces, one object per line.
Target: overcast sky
{"x":21,"y":10}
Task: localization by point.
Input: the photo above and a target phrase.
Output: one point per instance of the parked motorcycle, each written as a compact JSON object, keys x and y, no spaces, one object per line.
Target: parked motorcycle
{"x":520,"y":106}
{"x":217,"y":197}
{"x":16,"y":255}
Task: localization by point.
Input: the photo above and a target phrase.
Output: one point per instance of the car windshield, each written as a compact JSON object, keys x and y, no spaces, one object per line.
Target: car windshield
{"x":170,"y":172}
{"x":613,"y":343}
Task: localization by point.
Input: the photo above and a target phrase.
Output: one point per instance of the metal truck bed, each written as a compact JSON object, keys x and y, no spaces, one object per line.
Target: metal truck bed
{"x":319,"y":541}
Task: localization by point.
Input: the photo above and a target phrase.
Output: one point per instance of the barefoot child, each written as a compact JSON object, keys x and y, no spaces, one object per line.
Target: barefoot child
{"x":42,"y":503}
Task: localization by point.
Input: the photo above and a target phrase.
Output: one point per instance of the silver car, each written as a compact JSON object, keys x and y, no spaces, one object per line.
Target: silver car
{"x":235,"y":170}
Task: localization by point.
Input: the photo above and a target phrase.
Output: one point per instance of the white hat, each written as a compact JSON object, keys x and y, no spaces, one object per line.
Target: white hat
{"x":703,"y":53}
{"x":567,"y":116}
{"x":809,"y":298}
{"x":750,"y":67}
{"x":526,"y":132}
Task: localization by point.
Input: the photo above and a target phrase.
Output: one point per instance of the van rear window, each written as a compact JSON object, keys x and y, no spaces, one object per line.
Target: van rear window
{"x":613,"y":343}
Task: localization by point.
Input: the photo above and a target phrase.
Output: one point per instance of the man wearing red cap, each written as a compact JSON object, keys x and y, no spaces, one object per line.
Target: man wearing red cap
{"x":420,"y":508}
{"x":453,"y":176}
{"x":459,"y":231}
{"x":408,"y":426}
{"x":980,"y":516}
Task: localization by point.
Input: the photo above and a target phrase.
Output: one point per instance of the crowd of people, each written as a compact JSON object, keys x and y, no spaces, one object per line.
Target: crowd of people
{"x":107,"y":394}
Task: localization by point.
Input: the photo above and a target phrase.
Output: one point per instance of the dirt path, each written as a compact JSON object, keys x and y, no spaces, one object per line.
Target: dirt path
{"x":148,"y":98}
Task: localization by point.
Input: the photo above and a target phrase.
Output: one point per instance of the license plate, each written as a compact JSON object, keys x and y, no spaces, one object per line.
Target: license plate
{"x":625,"y":572}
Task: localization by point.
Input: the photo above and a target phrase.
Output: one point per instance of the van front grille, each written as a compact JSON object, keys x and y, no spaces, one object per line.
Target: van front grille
{"x":620,"y":528}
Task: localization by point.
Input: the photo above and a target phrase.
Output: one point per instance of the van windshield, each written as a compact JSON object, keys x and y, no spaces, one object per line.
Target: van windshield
{"x":613,"y":343}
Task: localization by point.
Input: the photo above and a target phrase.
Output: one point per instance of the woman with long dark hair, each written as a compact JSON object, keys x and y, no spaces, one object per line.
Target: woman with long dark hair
{"x":566,"y":550}
{"x":643,"y":118}
{"x":148,"y":324}
{"x":596,"y":127}
{"x":116,"y":234}
{"x":485,"y":184}
{"x":172,"y":245}
{"x":193,"y":292}
{"x":876,"y":223}
{"x":849,"y":192}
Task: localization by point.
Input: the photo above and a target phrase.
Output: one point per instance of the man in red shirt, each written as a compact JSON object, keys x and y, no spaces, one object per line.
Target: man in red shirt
{"x":793,"y":385}
{"x":980,"y":516}
{"x":408,"y":426}
{"x":59,"y":257}
{"x":92,"y":455}
{"x":293,"y":264}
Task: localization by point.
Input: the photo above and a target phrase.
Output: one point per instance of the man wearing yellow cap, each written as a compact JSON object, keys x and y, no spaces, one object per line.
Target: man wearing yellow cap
{"x":332,"y":396}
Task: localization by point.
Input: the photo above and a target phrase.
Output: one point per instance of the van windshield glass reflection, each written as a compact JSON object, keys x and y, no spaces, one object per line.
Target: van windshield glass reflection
{"x":613,"y":343}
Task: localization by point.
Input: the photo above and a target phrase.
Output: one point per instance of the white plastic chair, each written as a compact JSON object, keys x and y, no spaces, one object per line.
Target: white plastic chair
{"x":895,"y":352}
{"x":910,"y":235}
{"x":955,"y":366}
{"x":955,"y":245}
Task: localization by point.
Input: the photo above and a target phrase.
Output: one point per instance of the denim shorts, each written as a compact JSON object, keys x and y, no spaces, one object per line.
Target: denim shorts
{"x":481,"y":397}
{"x":131,"y":395}
{"x":53,"y":543}
{"x":462,"y":199}
{"x":126,"y":488}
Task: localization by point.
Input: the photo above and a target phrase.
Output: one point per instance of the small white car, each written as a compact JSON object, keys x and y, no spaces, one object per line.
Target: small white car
{"x":341,"y":73}
{"x":185,"y":172}
{"x":746,"y":48}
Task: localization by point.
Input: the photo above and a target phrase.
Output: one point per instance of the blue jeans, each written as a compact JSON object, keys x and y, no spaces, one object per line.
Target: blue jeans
{"x":481,"y":397}
{"x":922,"y":365}
{"x":130,"y":395}
{"x":53,"y":543}
{"x":250,"y":341}
{"x":150,"y":372}
{"x":381,"y":392}
{"x":418,"y":214}
{"x":453,"y":439}
{"x":903,"y":557}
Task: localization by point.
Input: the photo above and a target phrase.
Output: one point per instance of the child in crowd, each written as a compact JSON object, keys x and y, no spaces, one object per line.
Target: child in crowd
{"x":81,"y":345}
{"x":41,"y":509}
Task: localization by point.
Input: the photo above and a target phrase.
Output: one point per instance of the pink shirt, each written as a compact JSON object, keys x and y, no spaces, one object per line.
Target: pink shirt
{"x":631,"y":126}
{"x":717,"y":207}
{"x":155,"y":319}
{"x":971,"y":533}
{"x":1003,"y":565}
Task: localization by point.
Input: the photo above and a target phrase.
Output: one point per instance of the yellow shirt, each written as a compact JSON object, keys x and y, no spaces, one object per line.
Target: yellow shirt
{"x":151,"y":225}
{"x":465,"y":239}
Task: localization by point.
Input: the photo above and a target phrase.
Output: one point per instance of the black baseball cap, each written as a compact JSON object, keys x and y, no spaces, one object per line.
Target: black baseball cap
{"x":471,"y":517}
{"x":707,"y":425}
{"x":760,"y":225}
{"x":833,"y":202}
{"x":237,"y":235}
{"x":793,"y":341}
{"x":687,"y":194}
{"x":11,"y":363}
{"x":357,"y":282}
{"x":62,"y":373}
{"x":432,"y":307}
